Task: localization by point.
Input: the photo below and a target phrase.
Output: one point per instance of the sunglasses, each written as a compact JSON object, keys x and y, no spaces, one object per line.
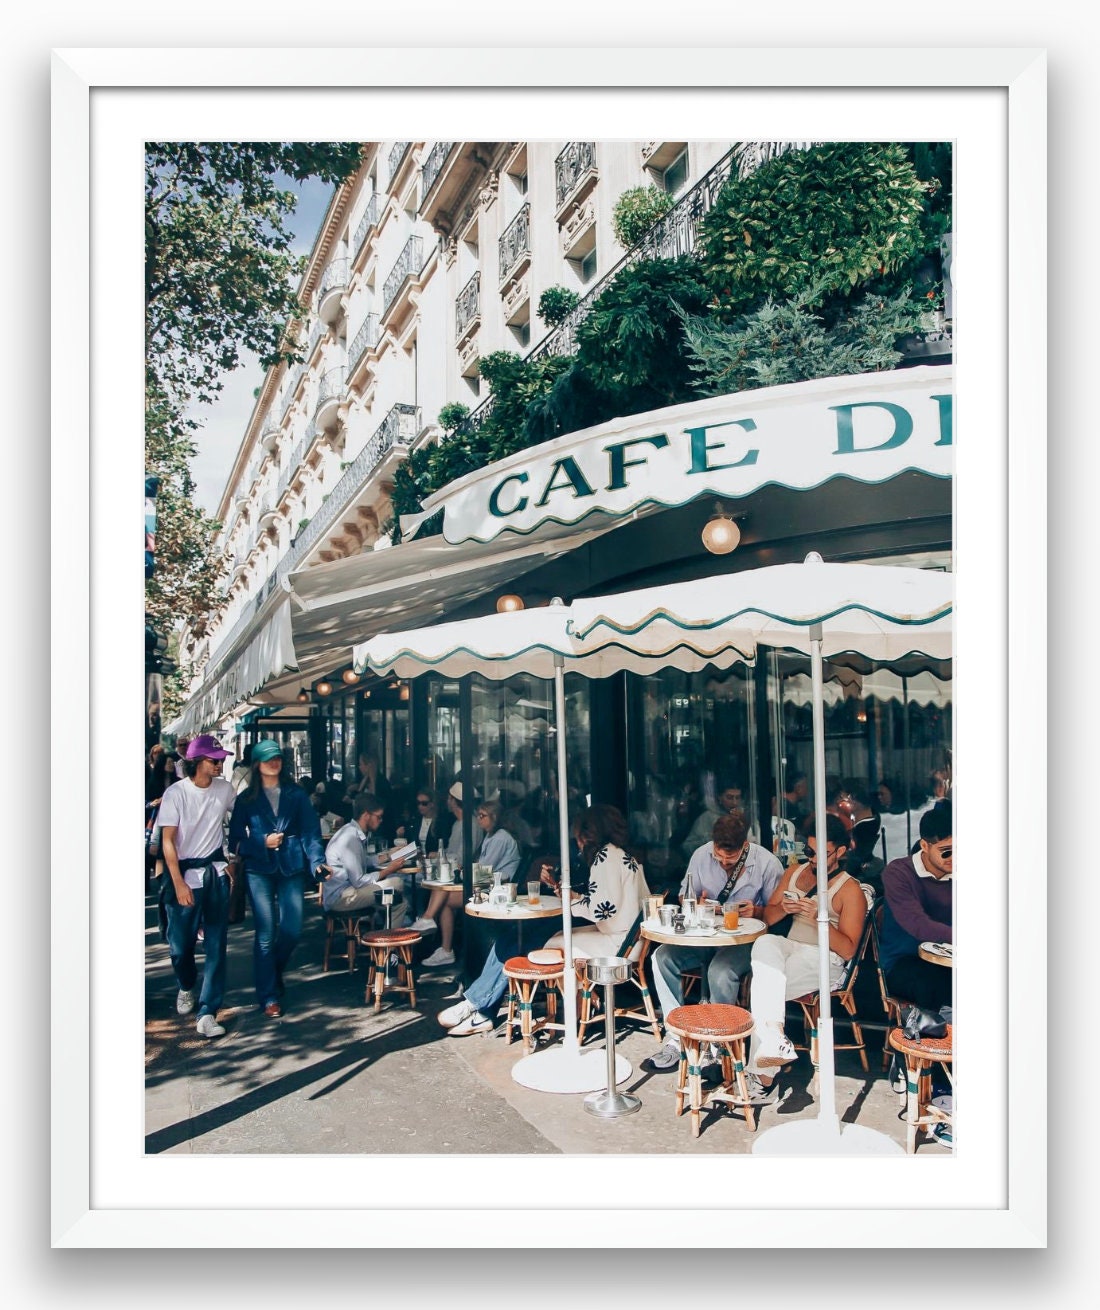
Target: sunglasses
{"x":945,"y":854}
{"x":423,"y":804}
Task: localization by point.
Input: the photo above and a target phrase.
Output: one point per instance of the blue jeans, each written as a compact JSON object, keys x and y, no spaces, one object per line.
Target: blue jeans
{"x":725,"y":969}
{"x":184,"y":922}
{"x":277,"y":906}
{"x":486,"y":991}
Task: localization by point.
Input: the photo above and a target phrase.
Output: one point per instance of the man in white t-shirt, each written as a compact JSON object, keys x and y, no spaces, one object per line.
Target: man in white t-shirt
{"x":192,"y":813}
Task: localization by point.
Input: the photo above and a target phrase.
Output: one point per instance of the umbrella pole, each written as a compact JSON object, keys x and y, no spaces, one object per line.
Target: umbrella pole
{"x":569,"y":992}
{"x":567,"y":1068}
{"x":826,"y":1090}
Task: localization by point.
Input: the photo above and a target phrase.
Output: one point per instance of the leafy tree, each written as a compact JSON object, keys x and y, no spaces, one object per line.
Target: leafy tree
{"x":451,"y":415}
{"x":837,"y":215}
{"x":635,"y":212}
{"x":556,"y":304}
{"x":789,"y":342}
{"x":219,"y":280}
{"x":632,"y":337}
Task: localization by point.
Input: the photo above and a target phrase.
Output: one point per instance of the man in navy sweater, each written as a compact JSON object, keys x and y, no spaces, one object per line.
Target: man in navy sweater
{"x":918,"y":909}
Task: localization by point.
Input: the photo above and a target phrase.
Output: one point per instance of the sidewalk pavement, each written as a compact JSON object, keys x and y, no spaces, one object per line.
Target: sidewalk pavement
{"x":331,"y":1076}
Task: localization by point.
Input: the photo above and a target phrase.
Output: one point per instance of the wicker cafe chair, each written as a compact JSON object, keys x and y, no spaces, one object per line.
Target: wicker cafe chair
{"x":340,"y":922}
{"x":635,"y":948}
{"x":844,"y":992}
{"x":893,"y":1005}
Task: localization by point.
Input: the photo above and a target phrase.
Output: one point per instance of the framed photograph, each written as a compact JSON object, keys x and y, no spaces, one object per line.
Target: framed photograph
{"x":109,"y":1189}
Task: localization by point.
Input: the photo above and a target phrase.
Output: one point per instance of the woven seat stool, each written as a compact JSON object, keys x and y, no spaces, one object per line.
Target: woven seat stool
{"x":919,"y":1057}
{"x":726,"y":1026}
{"x":337,"y":921}
{"x":380,"y":944}
{"x":524,"y":978}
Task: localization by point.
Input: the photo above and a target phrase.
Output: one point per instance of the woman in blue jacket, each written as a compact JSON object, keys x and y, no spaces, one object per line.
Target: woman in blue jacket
{"x":275,"y":830}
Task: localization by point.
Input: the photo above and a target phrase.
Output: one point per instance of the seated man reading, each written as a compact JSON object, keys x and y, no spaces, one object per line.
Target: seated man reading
{"x":357,"y":878}
{"x":733,"y":871}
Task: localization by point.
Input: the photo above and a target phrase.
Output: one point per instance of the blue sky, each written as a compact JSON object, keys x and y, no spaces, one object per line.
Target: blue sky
{"x":223,"y":423}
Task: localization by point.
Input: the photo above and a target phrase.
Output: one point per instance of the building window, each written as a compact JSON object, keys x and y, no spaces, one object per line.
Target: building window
{"x":587,"y":267}
{"x":673,"y":177}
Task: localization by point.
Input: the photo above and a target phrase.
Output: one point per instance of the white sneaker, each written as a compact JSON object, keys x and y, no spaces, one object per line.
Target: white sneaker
{"x":775,"y":1048}
{"x":668,"y":1057}
{"x":454,"y":1014}
{"x":476,"y":1022}
{"x":185,"y":1001}
{"x":438,"y":956}
{"x":208,"y":1026}
{"x":758,"y":1093}
{"x":424,"y":925}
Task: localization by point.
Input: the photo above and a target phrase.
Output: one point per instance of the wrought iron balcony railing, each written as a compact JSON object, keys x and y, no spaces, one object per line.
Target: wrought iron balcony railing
{"x":575,"y":161}
{"x":515,"y":241}
{"x":369,"y":220}
{"x":433,"y":165}
{"x":292,"y":466}
{"x":335,"y":277}
{"x":365,"y":339}
{"x":398,"y":428}
{"x":409,"y":263}
{"x":333,"y":386}
{"x":316,"y":333}
{"x":468,"y":304}
{"x":397,"y":154}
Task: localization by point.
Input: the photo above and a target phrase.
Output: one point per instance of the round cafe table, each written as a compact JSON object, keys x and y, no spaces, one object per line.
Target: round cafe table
{"x":937,"y":953}
{"x":520,"y":913}
{"x":747,"y":931}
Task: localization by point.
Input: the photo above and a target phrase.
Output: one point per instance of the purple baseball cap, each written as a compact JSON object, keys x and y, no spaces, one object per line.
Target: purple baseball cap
{"x":206,"y":748}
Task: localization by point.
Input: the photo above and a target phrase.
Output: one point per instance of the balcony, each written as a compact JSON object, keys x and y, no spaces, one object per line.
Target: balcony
{"x":331,"y":290}
{"x":266,"y":515}
{"x":270,"y":438}
{"x":397,"y":431}
{"x":514,"y":246}
{"x":433,"y":166}
{"x":293,"y":465}
{"x":408,"y":266}
{"x":291,"y":389}
{"x":397,"y":154}
{"x":365,"y":339}
{"x":330,"y":394}
{"x":468,"y":308}
{"x":316,"y":333}
{"x":574,"y":174}
{"x":367,"y":223}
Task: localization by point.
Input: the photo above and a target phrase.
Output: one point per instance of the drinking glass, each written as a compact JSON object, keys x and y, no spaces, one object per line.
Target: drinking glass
{"x":534,"y":892}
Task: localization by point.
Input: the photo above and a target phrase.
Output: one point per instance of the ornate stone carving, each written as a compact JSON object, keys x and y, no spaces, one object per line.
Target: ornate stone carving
{"x":467,"y":351}
{"x":515,"y":295}
{"x":577,"y":224}
{"x":450,"y":251}
{"x":489,"y":192}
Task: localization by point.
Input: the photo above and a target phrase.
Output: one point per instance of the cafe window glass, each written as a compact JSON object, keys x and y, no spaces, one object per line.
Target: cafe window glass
{"x":441,"y":766}
{"x":514,"y":747}
{"x":691,"y":739}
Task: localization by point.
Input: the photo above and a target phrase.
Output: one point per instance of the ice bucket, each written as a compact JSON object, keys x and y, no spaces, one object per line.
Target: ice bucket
{"x":607,"y":969}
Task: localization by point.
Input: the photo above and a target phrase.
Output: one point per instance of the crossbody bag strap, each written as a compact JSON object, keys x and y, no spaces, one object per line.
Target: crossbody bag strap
{"x":736,"y":873}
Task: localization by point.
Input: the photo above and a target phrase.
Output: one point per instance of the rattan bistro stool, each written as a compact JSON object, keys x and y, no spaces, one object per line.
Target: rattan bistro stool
{"x":380,"y":944}
{"x":919,"y":1057}
{"x":727,"y":1026}
{"x":524,"y":977}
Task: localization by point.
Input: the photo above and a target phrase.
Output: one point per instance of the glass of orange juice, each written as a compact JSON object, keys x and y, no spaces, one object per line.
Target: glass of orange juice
{"x":731,"y":918}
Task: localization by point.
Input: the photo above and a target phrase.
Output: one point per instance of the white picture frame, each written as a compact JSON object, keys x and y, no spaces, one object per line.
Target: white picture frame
{"x":114,"y":1197}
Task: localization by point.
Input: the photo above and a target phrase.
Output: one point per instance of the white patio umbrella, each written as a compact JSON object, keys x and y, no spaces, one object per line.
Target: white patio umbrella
{"x":535,"y":642}
{"x":821,"y":609}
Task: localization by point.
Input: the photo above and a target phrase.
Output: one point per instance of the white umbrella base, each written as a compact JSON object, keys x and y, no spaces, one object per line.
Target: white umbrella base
{"x":563,"y":1070}
{"x":814,"y":1137}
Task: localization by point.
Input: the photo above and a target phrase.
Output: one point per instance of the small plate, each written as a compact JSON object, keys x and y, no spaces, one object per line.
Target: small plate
{"x":546,"y":957}
{"x":942,"y":949}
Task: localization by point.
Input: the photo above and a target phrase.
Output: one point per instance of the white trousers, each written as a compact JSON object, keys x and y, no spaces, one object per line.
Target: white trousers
{"x":781,"y":971}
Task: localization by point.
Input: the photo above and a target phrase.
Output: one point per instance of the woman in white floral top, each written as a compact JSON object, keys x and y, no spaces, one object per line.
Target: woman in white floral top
{"x":616,"y":887}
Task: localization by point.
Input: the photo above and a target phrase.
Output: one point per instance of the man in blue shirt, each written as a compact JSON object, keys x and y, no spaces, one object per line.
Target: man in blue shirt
{"x":739,"y":874}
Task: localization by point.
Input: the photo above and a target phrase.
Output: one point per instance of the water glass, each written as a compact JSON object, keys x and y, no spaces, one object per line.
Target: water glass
{"x":534,"y":893}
